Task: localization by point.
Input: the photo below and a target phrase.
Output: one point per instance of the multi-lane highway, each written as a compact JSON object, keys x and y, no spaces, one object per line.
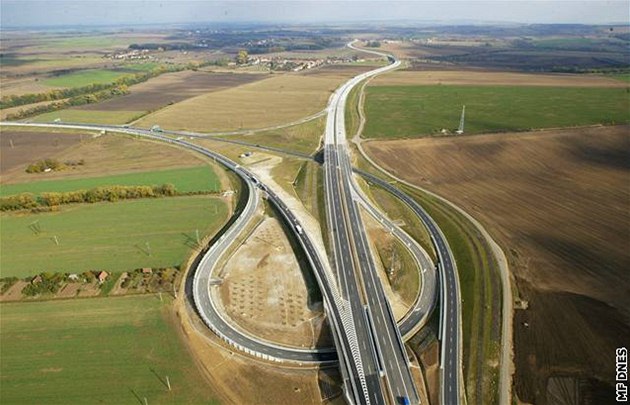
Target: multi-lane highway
{"x":382,"y":350}
{"x":371,"y":350}
{"x":450,"y":318}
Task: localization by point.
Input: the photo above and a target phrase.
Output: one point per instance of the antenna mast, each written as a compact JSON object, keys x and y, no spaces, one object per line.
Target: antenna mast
{"x":460,"y":130}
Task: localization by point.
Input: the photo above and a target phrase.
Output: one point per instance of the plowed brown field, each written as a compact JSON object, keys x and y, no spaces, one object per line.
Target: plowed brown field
{"x":171,"y":88}
{"x":558,"y":203}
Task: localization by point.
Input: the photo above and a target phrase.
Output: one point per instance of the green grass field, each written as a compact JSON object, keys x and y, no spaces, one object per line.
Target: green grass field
{"x":303,"y":137}
{"x":141,"y":67}
{"x":108,"y":236}
{"x":408,"y":111}
{"x":90,"y":116}
{"x":622,"y":76}
{"x":96,"y":351}
{"x":189,"y":179}
{"x":84,"y":78}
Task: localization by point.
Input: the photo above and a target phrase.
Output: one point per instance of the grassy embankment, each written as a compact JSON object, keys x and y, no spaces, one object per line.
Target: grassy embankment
{"x":303,"y":137}
{"x":407,"y":111}
{"x":102,"y":350}
{"x":481,"y":299}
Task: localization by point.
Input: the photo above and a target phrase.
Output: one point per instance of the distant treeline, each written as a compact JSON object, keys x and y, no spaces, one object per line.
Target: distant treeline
{"x":28,"y":201}
{"x":373,"y":44}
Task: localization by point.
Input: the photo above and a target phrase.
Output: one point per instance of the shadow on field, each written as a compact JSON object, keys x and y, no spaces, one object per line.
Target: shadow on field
{"x":615,"y":156}
{"x":135,"y":394}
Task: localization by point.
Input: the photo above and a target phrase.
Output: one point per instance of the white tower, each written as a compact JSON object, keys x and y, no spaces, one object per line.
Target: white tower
{"x":460,"y":130}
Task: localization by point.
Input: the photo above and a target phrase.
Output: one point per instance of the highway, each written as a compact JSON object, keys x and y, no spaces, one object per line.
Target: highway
{"x":451,"y":378}
{"x":382,"y":349}
{"x":372,"y":355}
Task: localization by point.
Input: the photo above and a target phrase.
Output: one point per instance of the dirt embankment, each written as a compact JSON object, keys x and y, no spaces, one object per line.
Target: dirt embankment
{"x":557,"y":201}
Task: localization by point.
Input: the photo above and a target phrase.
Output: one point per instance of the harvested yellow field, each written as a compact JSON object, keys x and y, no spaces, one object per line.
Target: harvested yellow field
{"x":277,"y":100}
{"x":459,"y":77}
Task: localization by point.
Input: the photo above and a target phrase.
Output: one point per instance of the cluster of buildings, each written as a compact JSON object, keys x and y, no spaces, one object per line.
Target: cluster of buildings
{"x":296,"y":65}
{"x":135,"y":54}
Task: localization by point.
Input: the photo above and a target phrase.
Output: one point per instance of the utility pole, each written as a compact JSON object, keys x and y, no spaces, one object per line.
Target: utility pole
{"x":460,"y":130}
{"x":56,"y":240}
{"x":197,"y":233}
{"x":148,"y":248}
{"x":11,"y":143}
{"x":168,"y":382}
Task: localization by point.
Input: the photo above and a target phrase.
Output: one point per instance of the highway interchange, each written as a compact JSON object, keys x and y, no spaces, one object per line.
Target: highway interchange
{"x":369,"y":343}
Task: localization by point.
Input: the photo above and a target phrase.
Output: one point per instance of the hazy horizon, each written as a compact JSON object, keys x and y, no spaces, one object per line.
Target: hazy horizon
{"x":59,"y":13}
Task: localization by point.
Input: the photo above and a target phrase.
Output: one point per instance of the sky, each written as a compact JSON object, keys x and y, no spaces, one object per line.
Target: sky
{"x":33,"y":13}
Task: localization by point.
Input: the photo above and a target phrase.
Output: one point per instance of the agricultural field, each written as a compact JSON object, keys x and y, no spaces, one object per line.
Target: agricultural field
{"x":279,"y":99}
{"x":84,"y":78}
{"x":412,"y":111}
{"x":185,"y":180}
{"x":101,"y":154}
{"x":537,"y":193}
{"x":97,"y":350}
{"x":19,"y":148}
{"x":169,"y":88}
{"x":22,"y":85}
{"x":481,"y":78}
{"x":116,"y":237}
{"x":89,"y":116}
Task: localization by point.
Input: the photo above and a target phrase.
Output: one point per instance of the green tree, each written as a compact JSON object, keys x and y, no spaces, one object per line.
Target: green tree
{"x":242,"y":57}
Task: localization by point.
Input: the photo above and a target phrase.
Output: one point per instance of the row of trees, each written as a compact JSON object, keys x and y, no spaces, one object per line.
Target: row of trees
{"x":25,"y":201}
{"x":71,"y":102}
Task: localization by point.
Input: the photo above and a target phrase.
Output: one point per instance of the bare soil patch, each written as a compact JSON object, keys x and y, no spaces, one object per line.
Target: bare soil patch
{"x":468,"y":77}
{"x":14,"y":293}
{"x":106,"y":154}
{"x":264,"y":291}
{"x":20,"y":148}
{"x":171,"y":88}
{"x":557,"y":201}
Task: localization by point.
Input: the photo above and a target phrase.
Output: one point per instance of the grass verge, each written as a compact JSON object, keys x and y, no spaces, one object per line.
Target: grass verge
{"x":303,"y":137}
{"x":481,"y":299}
